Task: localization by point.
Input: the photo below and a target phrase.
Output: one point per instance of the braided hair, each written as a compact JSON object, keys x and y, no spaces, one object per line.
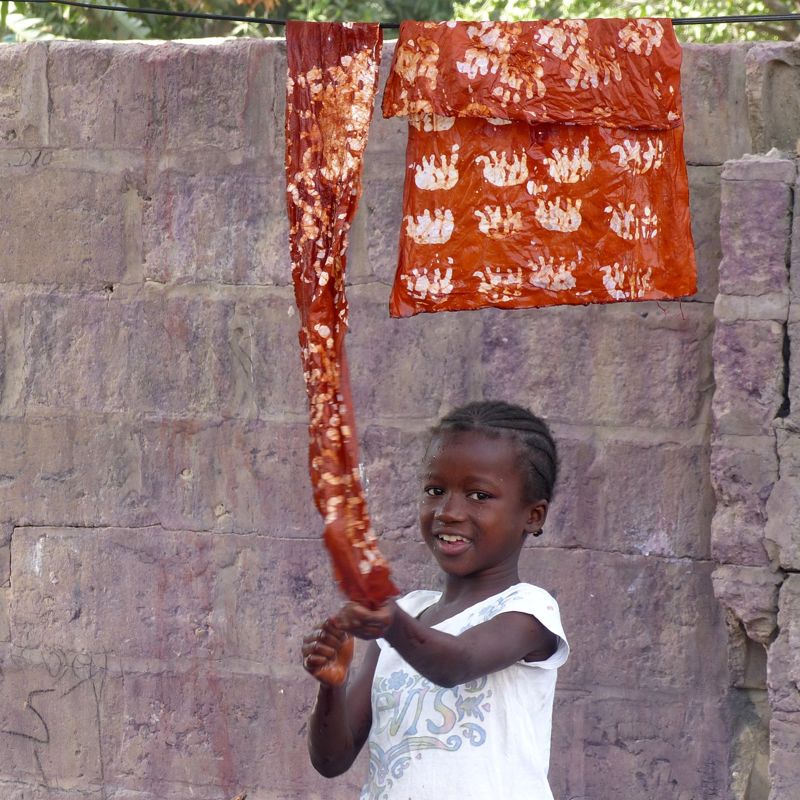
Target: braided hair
{"x":529,"y":432}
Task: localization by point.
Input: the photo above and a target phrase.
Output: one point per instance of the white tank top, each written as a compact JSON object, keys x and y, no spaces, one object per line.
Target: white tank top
{"x":489,"y":738}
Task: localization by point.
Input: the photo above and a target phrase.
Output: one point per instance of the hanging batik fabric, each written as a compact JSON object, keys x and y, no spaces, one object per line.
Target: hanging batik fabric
{"x":544,"y":164}
{"x":331,"y":87}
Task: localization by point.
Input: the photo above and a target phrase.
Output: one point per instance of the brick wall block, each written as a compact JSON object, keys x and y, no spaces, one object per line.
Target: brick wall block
{"x":669,"y":348}
{"x":748,"y":369}
{"x":783,"y":659}
{"x":84,"y":232}
{"x":755,"y":224}
{"x":23,"y":98}
{"x":168,"y":354}
{"x":714,"y":103}
{"x":737,"y":534}
{"x":228,"y":228}
{"x":773,"y":79}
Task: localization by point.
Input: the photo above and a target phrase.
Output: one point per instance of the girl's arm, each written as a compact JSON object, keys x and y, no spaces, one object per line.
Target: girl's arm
{"x":342,"y":715}
{"x":448,"y":660}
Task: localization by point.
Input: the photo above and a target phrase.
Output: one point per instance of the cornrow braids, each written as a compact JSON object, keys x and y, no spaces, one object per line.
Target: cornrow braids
{"x":496,"y":418}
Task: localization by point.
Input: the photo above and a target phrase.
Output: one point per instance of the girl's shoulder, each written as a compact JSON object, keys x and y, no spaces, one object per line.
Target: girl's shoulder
{"x":414,"y":603}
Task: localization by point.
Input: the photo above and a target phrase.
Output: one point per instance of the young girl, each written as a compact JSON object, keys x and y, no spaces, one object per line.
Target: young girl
{"x":455,"y":697}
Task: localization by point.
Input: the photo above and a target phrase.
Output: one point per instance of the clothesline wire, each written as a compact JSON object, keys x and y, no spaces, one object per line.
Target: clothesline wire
{"x":731,"y":19}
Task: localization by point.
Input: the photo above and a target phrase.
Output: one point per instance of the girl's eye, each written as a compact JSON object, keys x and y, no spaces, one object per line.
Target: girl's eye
{"x":434,"y":491}
{"x":479,"y":495}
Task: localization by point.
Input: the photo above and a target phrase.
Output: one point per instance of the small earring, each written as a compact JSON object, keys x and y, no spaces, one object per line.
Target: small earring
{"x":538,"y":533}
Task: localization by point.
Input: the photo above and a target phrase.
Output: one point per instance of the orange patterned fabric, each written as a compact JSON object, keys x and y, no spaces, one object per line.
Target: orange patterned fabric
{"x":545,"y":164}
{"x":331,"y":87}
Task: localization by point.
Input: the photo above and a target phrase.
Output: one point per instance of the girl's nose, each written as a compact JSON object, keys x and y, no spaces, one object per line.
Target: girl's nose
{"x":449,"y":509}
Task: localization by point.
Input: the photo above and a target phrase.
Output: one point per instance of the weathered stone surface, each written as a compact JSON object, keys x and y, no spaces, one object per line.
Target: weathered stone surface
{"x":604,"y":597}
{"x":112,"y":471}
{"x":773,"y":95}
{"x":100,"y":97}
{"x":749,"y":769}
{"x":771,"y":167}
{"x":793,"y":330}
{"x":704,"y":204}
{"x":5,"y":629}
{"x":597,"y":501}
{"x":783,"y":662}
{"x":419,"y":370}
{"x":784,"y":768}
{"x":257,"y":480}
{"x":752,"y":594}
{"x":794,"y":265}
{"x":641,"y":746}
{"x":755,"y":222}
{"x":6,"y":530}
{"x":166,"y":354}
{"x":84,"y":232}
{"x":669,"y":345}
{"x":787,"y":432}
{"x":379,"y":221}
{"x":737,"y":533}
{"x":229,"y":228}
{"x":735,"y":308}
{"x":743,"y":472}
{"x":153,"y":593}
{"x":714,"y":103}
{"x":23,"y":98}
{"x":172,"y":96}
{"x":783,"y":522}
{"x":748,"y":369}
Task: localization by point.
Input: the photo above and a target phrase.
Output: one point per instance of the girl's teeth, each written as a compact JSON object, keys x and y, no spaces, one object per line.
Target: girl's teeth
{"x":447,"y":538}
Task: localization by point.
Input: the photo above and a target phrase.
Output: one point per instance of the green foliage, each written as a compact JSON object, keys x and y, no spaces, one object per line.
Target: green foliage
{"x":20,"y":21}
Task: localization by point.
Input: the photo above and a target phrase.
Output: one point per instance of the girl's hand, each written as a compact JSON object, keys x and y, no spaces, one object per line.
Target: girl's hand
{"x":327,"y":653}
{"x":366,"y":623}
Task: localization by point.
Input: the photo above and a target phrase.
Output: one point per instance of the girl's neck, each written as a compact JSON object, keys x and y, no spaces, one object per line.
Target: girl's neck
{"x":465,"y":591}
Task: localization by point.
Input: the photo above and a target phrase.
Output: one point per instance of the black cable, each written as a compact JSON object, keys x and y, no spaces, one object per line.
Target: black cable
{"x":735,"y":18}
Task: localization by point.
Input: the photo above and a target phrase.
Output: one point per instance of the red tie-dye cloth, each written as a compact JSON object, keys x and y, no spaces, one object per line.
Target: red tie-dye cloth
{"x":544,"y":164}
{"x":331,"y":87}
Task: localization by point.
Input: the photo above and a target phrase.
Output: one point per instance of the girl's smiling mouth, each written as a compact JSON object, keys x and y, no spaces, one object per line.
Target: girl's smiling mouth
{"x":451,"y":544}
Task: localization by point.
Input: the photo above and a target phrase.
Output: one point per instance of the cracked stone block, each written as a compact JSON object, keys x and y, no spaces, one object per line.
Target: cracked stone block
{"x":773,"y":95}
{"x":23,"y":98}
{"x":751,"y":593}
{"x":714,"y":103}
{"x":748,"y":369}
{"x":630,"y":364}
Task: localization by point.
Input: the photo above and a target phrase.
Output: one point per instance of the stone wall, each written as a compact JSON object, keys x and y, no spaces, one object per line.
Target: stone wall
{"x":159,"y":555}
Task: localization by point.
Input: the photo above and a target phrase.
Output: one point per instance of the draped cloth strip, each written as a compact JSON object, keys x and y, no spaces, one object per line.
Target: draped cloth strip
{"x":331,"y":87}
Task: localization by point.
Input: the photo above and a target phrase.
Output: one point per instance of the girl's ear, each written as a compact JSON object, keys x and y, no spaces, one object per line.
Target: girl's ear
{"x":536,"y":516}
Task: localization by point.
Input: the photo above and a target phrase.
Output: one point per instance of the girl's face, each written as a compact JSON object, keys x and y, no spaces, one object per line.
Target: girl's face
{"x":473,"y":512}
